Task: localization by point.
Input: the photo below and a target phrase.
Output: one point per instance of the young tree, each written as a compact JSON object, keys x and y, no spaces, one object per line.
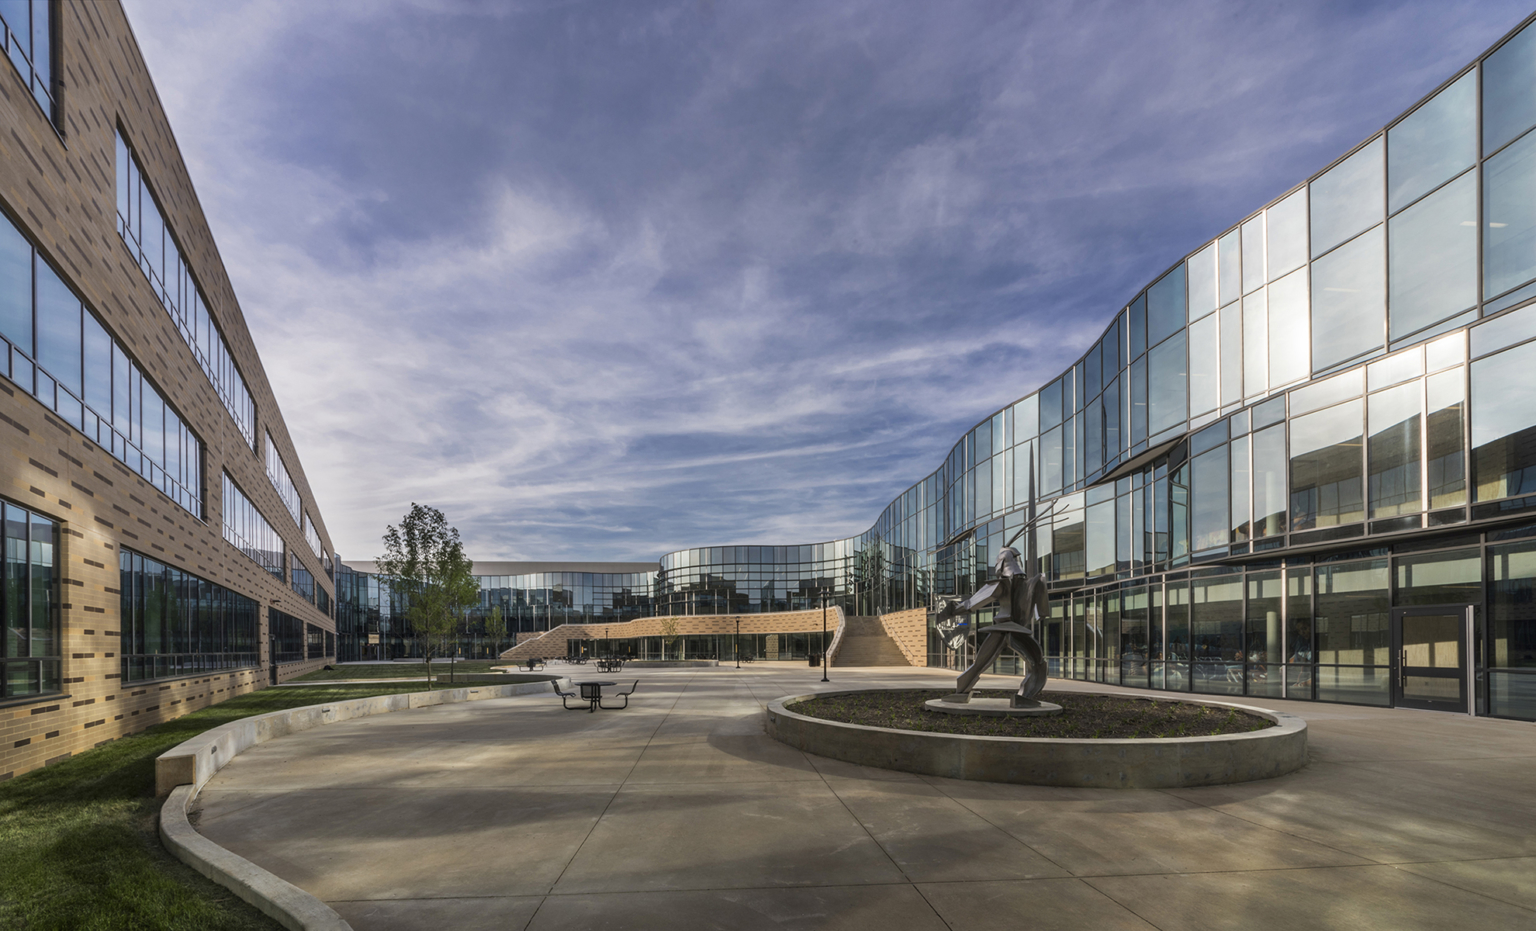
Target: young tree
{"x":669,"y":636}
{"x":496,"y":629}
{"x":425,"y":563}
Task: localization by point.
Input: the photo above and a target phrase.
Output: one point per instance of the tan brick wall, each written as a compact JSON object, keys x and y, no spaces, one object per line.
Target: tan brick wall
{"x":552,"y":643}
{"x":910,"y":631}
{"x":61,"y":193}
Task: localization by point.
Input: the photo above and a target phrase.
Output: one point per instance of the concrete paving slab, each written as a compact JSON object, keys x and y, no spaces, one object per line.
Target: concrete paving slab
{"x":1511,"y":880}
{"x":480,"y":913}
{"x":742,"y":835}
{"x":822,"y":908}
{"x":1370,"y":898}
{"x":1039,"y":905}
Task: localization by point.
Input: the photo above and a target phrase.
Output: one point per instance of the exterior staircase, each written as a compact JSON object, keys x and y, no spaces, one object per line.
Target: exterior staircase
{"x":865,"y":643}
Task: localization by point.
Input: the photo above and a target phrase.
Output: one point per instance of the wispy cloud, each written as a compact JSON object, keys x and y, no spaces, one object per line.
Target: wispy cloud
{"x":605,"y":280}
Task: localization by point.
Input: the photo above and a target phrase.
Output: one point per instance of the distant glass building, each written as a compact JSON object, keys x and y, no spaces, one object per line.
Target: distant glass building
{"x":1301,"y":463}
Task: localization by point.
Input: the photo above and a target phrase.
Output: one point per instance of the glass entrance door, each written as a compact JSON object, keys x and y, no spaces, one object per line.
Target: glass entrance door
{"x":1431,"y":658}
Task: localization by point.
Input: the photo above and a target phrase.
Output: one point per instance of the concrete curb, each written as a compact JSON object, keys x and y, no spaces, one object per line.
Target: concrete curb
{"x":279,"y":899}
{"x":1155,"y":763}
{"x":193,"y":762}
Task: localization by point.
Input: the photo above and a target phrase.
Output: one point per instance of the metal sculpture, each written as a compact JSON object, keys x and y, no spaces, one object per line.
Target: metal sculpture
{"x":1021,"y":603}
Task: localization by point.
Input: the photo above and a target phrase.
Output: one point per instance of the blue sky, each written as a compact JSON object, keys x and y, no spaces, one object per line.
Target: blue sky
{"x":603,"y":280}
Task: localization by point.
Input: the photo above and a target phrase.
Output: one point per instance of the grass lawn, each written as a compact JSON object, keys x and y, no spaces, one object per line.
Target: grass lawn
{"x":398,"y":670}
{"x":78,"y":842}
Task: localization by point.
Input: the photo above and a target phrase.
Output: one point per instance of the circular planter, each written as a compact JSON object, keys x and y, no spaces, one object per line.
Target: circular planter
{"x":1152,"y":763}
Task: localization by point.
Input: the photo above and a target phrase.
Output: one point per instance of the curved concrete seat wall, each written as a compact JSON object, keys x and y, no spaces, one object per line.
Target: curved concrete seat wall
{"x":194,"y":761}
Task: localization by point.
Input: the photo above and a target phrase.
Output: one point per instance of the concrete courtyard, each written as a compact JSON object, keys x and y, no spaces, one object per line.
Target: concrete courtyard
{"x":681,"y":813}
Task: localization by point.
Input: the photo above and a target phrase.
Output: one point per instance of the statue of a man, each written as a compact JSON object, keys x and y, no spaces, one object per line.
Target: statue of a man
{"x":1021,"y":604}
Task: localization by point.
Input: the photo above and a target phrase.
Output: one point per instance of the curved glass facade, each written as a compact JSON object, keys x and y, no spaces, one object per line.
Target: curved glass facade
{"x":1279,"y":455}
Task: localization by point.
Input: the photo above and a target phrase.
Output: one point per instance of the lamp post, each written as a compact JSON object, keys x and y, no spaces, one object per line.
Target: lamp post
{"x":738,"y":641}
{"x":824,"y":636}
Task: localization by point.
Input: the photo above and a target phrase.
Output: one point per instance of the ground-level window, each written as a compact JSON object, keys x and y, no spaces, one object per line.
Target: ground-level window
{"x":29,"y":654}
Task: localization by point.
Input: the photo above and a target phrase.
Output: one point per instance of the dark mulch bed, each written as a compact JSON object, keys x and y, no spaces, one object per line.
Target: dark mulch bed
{"x":1082,"y":716}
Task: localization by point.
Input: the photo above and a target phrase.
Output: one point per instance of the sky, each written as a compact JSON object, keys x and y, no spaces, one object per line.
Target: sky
{"x":604,"y":280}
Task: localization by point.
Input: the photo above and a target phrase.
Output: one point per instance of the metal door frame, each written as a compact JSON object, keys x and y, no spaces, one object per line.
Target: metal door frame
{"x":1468,"y":673}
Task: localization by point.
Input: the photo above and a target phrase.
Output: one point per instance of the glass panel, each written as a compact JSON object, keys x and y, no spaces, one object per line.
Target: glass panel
{"x":1231,"y":354}
{"x":1262,"y":646}
{"x":1139,"y":400}
{"x":1026,"y":419}
{"x":1395,"y":369}
{"x":1101,"y":538}
{"x":1393,"y":451}
{"x":98,"y":367}
{"x":1168,"y":384}
{"x":1269,"y":488}
{"x":1349,"y":301}
{"x":1230,"y":267}
{"x":1509,"y":209}
{"x":1240,"y":490}
{"x":1327,"y":392}
{"x":1204,"y":366}
{"x":1447,"y":470}
{"x":1289,"y":330}
{"x":1509,"y":90}
{"x":1434,"y":144}
{"x":1287,"y":228}
{"x":1326,"y":469}
{"x":1504,"y":424}
{"x":1348,"y":199}
{"x":1434,"y":257}
{"x":15,"y":287}
{"x":1216,"y":632}
{"x":1255,"y":348}
{"x":1138,"y":322}
{"x":1166,"y":310}
{"x":1050,"y":405}
{"x":1352,"y":614}
{"x":1512,"y":627}
{"x":1253,"y":254}
{"x":1440,"y":578}
{"x":58,"y":328}
{"x":1211,"y":515}
{"x":1202,"y":282}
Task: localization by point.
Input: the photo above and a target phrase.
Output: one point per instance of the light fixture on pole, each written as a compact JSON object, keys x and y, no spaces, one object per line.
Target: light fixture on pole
{"x":738,"y":641}
{"x":824,"y":635}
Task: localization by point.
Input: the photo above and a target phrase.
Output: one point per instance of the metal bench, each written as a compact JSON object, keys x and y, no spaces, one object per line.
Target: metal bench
{"x":624,"y":695}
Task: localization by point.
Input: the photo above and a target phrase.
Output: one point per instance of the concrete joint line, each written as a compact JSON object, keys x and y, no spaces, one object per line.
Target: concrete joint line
{"x":279,"y":899}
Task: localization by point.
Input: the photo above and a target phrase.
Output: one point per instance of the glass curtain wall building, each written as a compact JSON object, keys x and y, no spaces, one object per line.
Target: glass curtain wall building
{"x":1301,"y":462}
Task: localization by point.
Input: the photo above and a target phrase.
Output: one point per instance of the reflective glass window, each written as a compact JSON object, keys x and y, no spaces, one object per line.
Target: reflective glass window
{"x":1289,"y":329}
{"x":1433,"y":144}
{"x":1093,"y":372}
{"x":1392,"y":451}
{"x":1202,"y":282}
{"x":1050,"y":461}
{"x":1512,"y":628}
{"x":1395,"y":369}
{"x":15,"y":288}
{"x":1509,"y":210}
{"x":1026,"y":418}
{"x":1509,"y":90}
{"x":1504,"y":424}
{"x":1210,"y":513}
{"x":1352,"y":613}
{"x":1050,"y":405}
{"x":58,"y":328}
{"x":1263,"y":638}
{"x":1138,"y":323}
{"x":1204,"y":366}
{"x":1286,"y":231}
{"x":1231,"y":354}
{"x":1434,"y":257}
{"x":1139,"y":400}
{"x":1216,"y":634}
{"x":1240,"y":470}
{"x":98,"y":367}
{"x":1167,"y":385}
{"x":1447,"y":396}
{"x":1165,"y":306}
{"x":1269,"y":487}
{"x":1326,"y":486}
{"x":1114,"y":440}
{"x":1101,"y":538}
{"x":1349,"y":301}
{"x":1253,"y":254}
{"x":1230,"y":267}
{"x":1255,"y":346}
{"x":1348,"y":199}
